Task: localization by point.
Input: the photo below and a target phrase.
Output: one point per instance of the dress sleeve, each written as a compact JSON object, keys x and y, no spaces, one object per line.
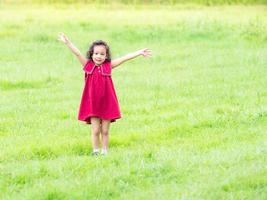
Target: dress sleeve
{"x":107,"y":69}
{"x":85,"y":67}
{"x":86,"y":64}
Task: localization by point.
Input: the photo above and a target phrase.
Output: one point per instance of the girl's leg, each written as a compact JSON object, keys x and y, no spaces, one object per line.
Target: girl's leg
{"x":95,"y":129}
{"x":105,"y":134}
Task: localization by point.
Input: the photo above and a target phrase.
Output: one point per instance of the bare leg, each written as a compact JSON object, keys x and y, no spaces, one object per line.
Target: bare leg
{"x":95,"y":129}
{"x":105,"y":133}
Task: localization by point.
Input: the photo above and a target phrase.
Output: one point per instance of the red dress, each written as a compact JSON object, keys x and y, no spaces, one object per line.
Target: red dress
{"x":99,"y":98}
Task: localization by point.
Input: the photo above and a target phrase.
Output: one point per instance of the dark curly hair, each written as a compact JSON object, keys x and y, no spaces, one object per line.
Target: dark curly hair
{"x":90,"y":52}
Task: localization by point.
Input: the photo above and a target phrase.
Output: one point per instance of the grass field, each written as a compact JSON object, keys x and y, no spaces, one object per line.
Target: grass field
{"x":194,"y":115}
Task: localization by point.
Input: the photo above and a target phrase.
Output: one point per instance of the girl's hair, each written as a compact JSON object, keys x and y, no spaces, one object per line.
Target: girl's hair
{"x":90,"y":52}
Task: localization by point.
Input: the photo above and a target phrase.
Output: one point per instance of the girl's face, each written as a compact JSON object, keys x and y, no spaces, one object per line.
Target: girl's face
{"x":99,"y":56}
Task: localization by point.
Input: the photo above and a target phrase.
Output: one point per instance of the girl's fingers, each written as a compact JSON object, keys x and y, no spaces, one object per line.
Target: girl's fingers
{"x":147,"y":52}
{"x":60,"y":35}
{"x":62,"y":38}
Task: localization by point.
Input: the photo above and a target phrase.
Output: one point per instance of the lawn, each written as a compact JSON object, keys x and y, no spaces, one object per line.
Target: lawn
{"x":194,"y":114}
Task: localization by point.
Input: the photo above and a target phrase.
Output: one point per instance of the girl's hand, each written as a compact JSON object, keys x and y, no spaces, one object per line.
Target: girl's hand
{"x":63,"y":38}
{"x":145,"y":52}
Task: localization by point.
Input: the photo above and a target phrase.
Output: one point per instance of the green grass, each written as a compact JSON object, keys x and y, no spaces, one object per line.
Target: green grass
{"x":194,"y":115}
{"x":138,"y":2}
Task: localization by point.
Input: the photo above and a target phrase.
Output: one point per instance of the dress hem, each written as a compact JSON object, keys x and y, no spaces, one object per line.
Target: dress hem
{"x":88,"y":118}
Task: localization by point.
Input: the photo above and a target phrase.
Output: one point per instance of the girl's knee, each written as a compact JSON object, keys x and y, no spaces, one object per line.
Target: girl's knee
{"x":96,"y":131}
{"x":104,"y":132}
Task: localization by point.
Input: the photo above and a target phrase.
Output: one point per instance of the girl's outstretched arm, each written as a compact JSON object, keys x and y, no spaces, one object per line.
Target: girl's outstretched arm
{"x":116,"y":62}
{"x":63,"y":38}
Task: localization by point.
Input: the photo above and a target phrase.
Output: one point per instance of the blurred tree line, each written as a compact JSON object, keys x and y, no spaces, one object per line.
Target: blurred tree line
{"x":204,"y":2}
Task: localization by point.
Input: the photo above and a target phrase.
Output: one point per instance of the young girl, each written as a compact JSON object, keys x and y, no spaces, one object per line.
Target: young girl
{"x":99,"y":104}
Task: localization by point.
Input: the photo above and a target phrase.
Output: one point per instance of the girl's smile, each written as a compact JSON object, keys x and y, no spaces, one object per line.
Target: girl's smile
{"x":99,"y":56}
